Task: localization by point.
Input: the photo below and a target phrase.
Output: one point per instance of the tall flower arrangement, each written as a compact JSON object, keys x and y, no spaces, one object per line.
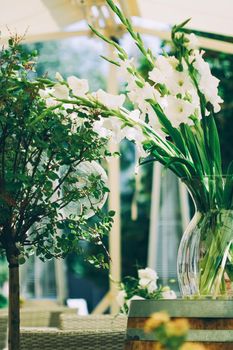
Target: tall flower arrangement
{"x":173,"y":120}
{"x":173,"y":123}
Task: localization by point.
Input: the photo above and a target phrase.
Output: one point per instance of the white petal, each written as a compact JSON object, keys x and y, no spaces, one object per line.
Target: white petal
{"x":109,"y":100}
{"x":60,"y":91}
{"x":79,"y":86}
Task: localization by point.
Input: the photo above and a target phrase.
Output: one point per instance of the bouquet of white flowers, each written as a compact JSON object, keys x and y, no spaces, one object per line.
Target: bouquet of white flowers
{"x":141,"y":288}
{"x":173,"y":123}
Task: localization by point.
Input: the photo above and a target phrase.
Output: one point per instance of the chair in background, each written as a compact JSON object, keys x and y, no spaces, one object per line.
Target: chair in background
{"x":50,"y":338}
{"x":43,"y":317}
{"x":3,"y":328}
{"x":95,"y":323}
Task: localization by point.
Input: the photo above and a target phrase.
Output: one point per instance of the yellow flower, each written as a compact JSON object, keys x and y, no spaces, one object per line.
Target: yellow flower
{"x":192,"y":346}
{"x":158,"y":346}
{"x":177,"y":327}
{"x":156,"y":320}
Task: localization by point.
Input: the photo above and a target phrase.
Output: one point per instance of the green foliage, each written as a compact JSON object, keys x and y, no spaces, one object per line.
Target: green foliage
{"x":190,"y":151}
{"x":222,"y":67}
{"x":39,"y":156}
{"x":3,"y":272}
{"x":3,"y":301}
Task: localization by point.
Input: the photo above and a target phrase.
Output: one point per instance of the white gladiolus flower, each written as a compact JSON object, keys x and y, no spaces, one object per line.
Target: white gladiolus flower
{"x":110,"y":128}
{"x":166,"y":64}
{"x":79,"y":87}
{"x":175,"y":81}
{"x":100,"y":129}
{"x":148,"y":274}
{"x":46,"y":94}
{"x":157,"y":76}
{"x":135,"y":115}
{"x":138,"y":97}
{"x":200,"y":64}
{"x":193,"y":41}
{"x":164,"y":68}
{"x":208,"y":84}
{"x":60,"y":91}
{"x":109,"y":100}
{"x":178,"y":111}
{"x":121,"y":298}
{"x":59,"y":77}
{"x":124,"y":66}
{"x":179,"y":83}
{"x":135,"y":134}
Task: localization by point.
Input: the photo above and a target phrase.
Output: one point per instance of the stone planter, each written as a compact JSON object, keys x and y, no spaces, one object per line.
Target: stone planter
{"x":211,"y":322}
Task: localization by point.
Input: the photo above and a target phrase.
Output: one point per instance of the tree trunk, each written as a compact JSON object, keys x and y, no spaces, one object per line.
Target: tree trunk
{"x":13,"y":316}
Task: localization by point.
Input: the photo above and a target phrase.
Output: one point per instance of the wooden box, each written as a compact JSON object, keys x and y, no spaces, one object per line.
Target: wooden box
{"x":211,"y":322}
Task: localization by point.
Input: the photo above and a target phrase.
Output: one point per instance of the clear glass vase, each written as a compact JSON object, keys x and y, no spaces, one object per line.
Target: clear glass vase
{"x":205,"y":256}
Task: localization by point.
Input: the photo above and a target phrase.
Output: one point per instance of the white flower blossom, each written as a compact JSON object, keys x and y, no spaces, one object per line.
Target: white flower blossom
{"x":100,"y":129}
{"x":134,"y":115}
{"x":179,"y":83}
{"x":148,"y":274}
{"x":125,"y":66}
{"x":60,"y":91}
{"x":138,"y":96}
{"x":165,"y":72}
{"x":109,"y":128}
{"x":168,"y":293}
{"x":193,"y":41}
{"x":135,"y":134}
{"x":208,"y":84}
{"x":178,"y":111}
{"x":46,"y":94}
{"x":152,"y":286}
{"x":109,"y":100}
{"x":59,"y":77}
{"x":79,"y":87}
{"x":121,"y":298}
{"x":164,"y":68}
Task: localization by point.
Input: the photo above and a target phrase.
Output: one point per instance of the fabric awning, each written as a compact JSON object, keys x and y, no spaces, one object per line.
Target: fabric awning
{"x":55,"y":19}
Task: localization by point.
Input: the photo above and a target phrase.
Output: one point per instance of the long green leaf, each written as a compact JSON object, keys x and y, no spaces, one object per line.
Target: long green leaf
{"x":228,"y":188}
{"x":188,"y":164}
{"x":215,"y":146}
{"x":173,"y":132}
{"x":193,"y":151}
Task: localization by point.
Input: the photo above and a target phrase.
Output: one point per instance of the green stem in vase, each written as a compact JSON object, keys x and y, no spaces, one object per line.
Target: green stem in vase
{"x":213,"y":265}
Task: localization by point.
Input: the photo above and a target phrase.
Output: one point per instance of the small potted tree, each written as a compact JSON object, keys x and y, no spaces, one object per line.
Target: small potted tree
{"x":50,"y":177}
